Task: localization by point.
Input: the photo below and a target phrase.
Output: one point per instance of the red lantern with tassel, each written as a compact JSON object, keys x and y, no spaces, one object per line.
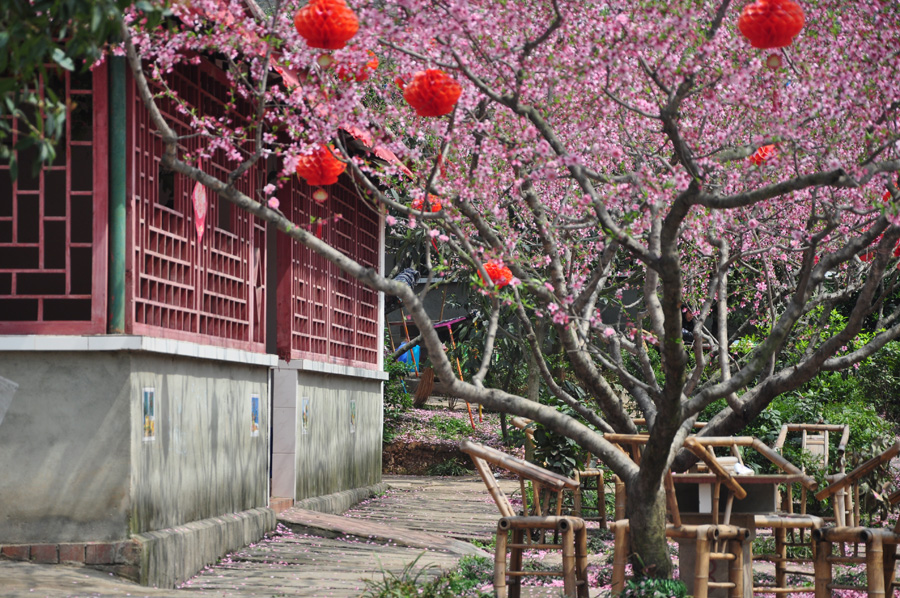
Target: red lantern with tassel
{"x":326,"y":24}
{"x":763,"y":154}
{"x":432,"y":93}
{"x":419,"y":204}
{"x":320,"y":167}
{"x":771,"y":23}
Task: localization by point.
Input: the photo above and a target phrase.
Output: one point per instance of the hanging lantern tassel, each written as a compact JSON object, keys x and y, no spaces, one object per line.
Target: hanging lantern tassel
{"x":320,"y":195}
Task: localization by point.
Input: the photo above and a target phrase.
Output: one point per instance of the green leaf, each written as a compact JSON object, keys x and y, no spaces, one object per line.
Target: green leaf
{"x":63,"y":60}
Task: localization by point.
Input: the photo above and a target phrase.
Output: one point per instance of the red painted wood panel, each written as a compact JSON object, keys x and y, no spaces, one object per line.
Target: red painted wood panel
{"x":208,"y":290}
{"x":332,"y":316}
{"x":53,"y":239}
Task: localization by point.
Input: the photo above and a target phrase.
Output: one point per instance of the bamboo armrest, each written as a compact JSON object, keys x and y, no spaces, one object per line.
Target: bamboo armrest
{"x":786,"y":466}
{"x":520,"y":422}
{"x":860,"y":472}
{"x":527,"y":470}
{"x":693,"y":445}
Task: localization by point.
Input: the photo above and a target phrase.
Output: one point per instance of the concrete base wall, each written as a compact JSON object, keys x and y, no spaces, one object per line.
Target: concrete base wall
{"x":204,"y":460}
{"x":83,"y":470}
{"x":65,"y":448}
{"x":326,"y":431}
{"x":172,"y":556}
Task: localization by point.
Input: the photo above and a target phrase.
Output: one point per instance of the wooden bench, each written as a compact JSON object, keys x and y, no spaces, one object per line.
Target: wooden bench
{"x":514,"y":531}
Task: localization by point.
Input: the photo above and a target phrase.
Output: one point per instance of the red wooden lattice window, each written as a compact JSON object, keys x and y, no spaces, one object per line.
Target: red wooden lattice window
{"x":211,"y":291}
{"x":52,"y":225}
{"x":331,"y":315}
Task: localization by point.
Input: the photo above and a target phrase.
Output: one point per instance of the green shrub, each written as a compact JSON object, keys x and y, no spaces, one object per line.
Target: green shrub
{"x":396,"y":399}
{"x":649,"y":587}
{"x":429,"y":582}
{"x":449,"y":468}
{"x":450,"y":428}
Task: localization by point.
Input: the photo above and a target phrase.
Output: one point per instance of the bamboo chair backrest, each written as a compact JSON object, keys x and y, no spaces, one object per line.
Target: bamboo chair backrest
{"x":818,"y":442}
{"x":482,"y":455}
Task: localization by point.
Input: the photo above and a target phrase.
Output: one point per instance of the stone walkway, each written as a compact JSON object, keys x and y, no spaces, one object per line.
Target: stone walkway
{"x":313,"y":555}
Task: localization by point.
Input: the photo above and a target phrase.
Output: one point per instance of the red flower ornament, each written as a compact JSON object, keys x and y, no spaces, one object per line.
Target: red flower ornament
{"x":359,"y":73}
{"x":419,"y":204}
{"x":320,"y":167}
{"x":500,"y":274}
{"x":326,"y":24}
{"x":432,"y":93}
{"x":763,"y":154}
{"x":771,"y":23}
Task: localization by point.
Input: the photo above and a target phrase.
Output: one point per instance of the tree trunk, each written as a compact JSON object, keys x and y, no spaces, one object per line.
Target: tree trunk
{"x":646,"y":511}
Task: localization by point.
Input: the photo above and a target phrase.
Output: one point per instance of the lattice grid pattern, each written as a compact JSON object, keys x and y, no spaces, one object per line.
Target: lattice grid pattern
{"x":331,"y":314}
{"x":182,"y":288}
{"x":52,"y":246}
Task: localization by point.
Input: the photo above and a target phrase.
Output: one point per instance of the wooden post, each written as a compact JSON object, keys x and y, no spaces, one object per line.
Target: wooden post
{"x":620,"y":556}
{"x":500,"y":563}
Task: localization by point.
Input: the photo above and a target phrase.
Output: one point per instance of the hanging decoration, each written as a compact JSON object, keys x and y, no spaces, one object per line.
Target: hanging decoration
{"x":326,"y":24}
{"x":319,"y":168}
{"x":500,"y":274}
{"x":432,"y":93}
{"x":359,"y":73}
{"x":419,"y":204}
{"x":771,"y":23}
{"x":763,"y":154}
{"x":198,"y":198}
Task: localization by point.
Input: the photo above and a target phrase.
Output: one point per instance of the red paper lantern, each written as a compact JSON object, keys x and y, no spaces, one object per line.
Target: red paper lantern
{"x":320,"y":167}
{"x":432,"y":93}
{"x":500,"y":274}
{"x":763,"y":154}
{"x":886,"y":197}
{"x":326,"y":24}
{"x":348,"y":72}
{"x":419,"y":204}
{"x":771,"y":23}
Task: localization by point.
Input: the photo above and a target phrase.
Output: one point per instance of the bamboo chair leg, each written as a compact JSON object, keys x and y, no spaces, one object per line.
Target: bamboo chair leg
{"x":620,"y":556}
{"x":581,"y":563}
{"x":500,"y":563}
{"x":890,"y":566}
{"x":875,"y":567}
{"x":736,"y":571}
{"x":701,"y":566}
{"x":781,"y":552}
{"x":823,"y":569}
{"x":568,"y":563}
{"x":515,"y":563}
{"x":601,"y":500}
{"x":620,"y":499}
{"x":576,"y":509}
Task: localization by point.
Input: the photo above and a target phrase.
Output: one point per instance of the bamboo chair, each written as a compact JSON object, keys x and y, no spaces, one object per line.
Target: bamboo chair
{"x":880,"y":545}
{"x":815,"y":438}
{"x":713,"y":542}
{"x":570,"y":531}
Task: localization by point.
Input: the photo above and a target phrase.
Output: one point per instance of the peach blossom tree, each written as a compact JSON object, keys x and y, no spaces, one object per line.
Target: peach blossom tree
{"x":599,"y":167}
